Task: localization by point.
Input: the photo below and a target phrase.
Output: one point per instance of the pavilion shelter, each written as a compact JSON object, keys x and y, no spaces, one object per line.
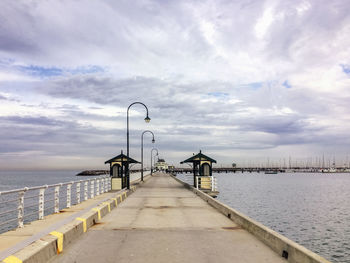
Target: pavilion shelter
{"x":118,"y":169}
{"x":202,"y":165}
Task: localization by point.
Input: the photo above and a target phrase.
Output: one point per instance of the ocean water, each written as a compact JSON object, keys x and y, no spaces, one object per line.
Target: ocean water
{"x":312,"y":209}
{"x":10,"y":180}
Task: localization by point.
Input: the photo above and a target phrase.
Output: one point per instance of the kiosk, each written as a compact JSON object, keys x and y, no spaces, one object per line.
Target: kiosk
{"x":202,"y":173}
{"x":118,"y":168}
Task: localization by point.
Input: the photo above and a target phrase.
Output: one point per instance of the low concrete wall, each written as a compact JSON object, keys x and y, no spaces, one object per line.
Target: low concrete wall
{"x":283,"y":246}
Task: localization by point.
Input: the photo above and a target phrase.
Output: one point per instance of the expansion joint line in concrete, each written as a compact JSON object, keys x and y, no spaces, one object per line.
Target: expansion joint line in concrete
{"x":59,"y":236}
{"x":115,"y":201}
{"x":109,"y":206}
{"x":98,"y":210}
{"x":84,"y":223}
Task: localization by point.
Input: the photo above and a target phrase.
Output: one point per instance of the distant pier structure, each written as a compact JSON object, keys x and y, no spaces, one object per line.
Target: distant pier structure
{"x":181,"y":170}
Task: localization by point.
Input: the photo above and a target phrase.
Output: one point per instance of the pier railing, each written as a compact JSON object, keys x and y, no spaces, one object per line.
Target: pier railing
{"x":31,"y":203}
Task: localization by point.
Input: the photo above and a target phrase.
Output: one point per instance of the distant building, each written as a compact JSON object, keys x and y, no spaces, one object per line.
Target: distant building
{"x":161,"y":165}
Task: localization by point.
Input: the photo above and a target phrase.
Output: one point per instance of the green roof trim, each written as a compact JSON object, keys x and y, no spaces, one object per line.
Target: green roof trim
{"x":199,"y":155}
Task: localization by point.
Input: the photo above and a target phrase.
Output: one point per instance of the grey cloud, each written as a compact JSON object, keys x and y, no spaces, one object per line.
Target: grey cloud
{"x":276,"y":124}
{"x":14,"y":35}
{"x":312,"y":32}
{"x":31,"y":120}
{"x":55,"y":136}
{"x":165,"y":98}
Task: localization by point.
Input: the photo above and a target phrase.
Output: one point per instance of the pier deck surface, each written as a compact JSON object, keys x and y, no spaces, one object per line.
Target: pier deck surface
{"x":16,"y":239}
{"x":165,"y":222}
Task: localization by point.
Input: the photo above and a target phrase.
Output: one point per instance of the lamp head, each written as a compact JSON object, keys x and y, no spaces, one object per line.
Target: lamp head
{"x":153,"y":141}
{"x":147,"y":119}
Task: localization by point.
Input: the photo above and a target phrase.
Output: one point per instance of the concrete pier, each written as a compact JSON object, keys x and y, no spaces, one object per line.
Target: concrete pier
{"x":165,"y":222}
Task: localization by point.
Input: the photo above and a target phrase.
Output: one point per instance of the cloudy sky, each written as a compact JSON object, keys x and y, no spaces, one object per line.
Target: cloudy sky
{"x":242,"y":80}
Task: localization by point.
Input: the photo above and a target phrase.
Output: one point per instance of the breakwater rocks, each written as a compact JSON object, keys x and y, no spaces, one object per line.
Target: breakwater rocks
{"x":93,"y":172}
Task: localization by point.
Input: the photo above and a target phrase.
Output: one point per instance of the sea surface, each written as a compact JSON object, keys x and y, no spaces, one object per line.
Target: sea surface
{"x":312,"y":209}
{"x":10,"y":180}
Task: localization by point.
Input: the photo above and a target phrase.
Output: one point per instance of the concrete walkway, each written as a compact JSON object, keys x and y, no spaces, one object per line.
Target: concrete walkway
{"x":164,"y":222}
{"x":16,"y":239}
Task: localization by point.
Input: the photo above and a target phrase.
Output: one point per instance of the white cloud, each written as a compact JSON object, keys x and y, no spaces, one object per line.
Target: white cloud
{"x":209,"y":69}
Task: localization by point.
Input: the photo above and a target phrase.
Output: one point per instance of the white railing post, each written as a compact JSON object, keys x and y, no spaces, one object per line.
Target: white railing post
{"x":78,"y":192}
{"x":106,"y":185}
{"x":109,"y":183}
{"x":212,"y":183}
{"x":41,"y":202}
{"x":57,"y":199}
{"x":86,"y":190}
{"x":197,"y":179}
{"x":102,"y":185}
{"x":20,"y":208}
{"x":69,"y":194}
{"x":92,"y":188}
{"x":97,"y":187}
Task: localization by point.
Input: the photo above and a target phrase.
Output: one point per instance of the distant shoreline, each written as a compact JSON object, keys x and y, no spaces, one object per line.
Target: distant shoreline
{"x":99,"y":172}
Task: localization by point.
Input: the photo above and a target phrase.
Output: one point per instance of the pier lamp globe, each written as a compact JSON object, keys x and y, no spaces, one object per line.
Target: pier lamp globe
{"x":147,"y":119}
{"x":153,"y":140}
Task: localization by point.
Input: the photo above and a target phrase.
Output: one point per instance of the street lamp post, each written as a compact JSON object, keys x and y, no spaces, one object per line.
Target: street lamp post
{"x":142,"y":151}
{"x":151,"y":157}
{"x":147,"y":119}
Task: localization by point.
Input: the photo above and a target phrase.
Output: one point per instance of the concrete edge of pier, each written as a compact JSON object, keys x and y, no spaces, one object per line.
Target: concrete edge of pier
{"x":283,"y":246}
{"x":43,"y":249}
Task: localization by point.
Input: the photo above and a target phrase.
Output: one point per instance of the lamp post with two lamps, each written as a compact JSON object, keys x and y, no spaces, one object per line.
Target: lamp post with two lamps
{"x":142,"y":151}
{"x":147,"y":119}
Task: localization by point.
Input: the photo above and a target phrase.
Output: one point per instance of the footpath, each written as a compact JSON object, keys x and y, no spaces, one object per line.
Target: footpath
{"x":159,"y":220}
{"x":31,"y":242}
{"x":165,"y":222}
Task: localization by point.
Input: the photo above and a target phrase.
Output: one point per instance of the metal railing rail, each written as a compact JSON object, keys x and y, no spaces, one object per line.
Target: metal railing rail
{"x":18,"y":206}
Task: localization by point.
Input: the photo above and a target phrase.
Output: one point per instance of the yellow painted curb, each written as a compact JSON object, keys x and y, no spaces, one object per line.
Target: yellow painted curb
{"x":59,"y":235}
{"x":84,"y":223}
{"x":98,"y":210}
{"x":121,"y":198}
{"x":115,"y":201}
{"x":12,"y":259}
{"x":124,"y":195}
{"x":109,"y":206}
